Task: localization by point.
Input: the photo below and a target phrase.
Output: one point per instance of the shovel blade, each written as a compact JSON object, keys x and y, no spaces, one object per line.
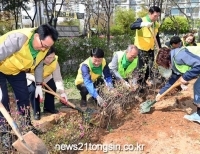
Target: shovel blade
{"x":89,"y":114}
{"x":146,"y":106}
{"x":32,"y":141}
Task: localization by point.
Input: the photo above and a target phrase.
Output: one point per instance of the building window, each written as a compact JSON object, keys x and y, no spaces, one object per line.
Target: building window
{"x":175,"y":11}
{"x":123,"y":1}
{"x":194,"y":1}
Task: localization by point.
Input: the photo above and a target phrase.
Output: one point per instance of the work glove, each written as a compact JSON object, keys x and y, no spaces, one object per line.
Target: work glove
{"x":157,"y":97}
{"x":1,"y":95}
{"x":30,"y":78}
{"x":63,"y":95}
{"x":109,"y":85}
{"x":134,"y":84}
{"x":146,"y":24}
{"x":183,"y":81}
{"x":38,"y":92}
{"x":101,"y":102}
{"x":126,"y":84}
{"x":59,"y":86}
{"x":184,"y":87}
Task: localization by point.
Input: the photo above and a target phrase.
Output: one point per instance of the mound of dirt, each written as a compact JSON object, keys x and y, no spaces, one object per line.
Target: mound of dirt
{"x":162,"y":131}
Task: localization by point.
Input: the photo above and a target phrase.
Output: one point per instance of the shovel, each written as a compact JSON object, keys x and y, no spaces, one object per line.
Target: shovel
{"x":86,"y":113}
{"x":28,"y":143}
{"x":146,"y":106}
{"x":63,"y":100}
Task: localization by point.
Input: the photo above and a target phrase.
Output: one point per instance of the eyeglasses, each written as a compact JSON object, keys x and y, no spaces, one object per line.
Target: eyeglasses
{"x":44,"y":46}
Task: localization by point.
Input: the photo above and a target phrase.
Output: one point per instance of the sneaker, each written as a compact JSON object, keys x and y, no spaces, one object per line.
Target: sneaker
{"x":193,"y":117}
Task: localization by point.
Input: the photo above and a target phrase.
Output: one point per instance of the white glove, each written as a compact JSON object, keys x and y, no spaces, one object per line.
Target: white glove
{"x":101,"y":102}
{"x":63,"y":95}
{"x":1,"y":95}
{"x":134,"y":84}
{"x":126,"y":84}
{"x":158,"y":97}
{"x":146,"y":24}
{"x":38,"y":92}
{"x":184,"y":87}
{"x":134,"y":81}
{"x":109,"y":85}
{"x":30,"y":78}
{"x":59,"y":85}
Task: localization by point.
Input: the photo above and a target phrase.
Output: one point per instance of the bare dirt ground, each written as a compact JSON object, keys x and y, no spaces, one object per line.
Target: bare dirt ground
{"x":162,"y":131}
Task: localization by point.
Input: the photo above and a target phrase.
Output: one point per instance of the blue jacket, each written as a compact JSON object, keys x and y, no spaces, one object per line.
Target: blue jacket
{"x":184,"y":57}
{"x":89,"y":83}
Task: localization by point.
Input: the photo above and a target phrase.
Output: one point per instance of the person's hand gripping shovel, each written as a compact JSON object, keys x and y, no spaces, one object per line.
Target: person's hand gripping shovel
{"x":146,"y":106}
{"x":86,"y":114}
{"x":28,"y":143}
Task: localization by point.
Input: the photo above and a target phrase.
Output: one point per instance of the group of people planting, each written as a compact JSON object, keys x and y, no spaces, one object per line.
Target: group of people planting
{"x":28,"y":59}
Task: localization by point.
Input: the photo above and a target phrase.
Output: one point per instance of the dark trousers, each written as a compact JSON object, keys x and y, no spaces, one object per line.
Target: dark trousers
{"x":146,"y":57}
{"x":49,"y":102}
{"x":83,"y":90}
{"x":35,"y":103}
{"x":19,"y":85}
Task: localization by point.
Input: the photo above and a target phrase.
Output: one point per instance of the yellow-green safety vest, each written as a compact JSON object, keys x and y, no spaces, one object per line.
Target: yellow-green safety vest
{"x":22,"y":59}
{"x":184,"y":68}
{"x":143,"y":37}
{"x":79,"y":78}
{"x":49,"y":69}
{"x":130,"y":68}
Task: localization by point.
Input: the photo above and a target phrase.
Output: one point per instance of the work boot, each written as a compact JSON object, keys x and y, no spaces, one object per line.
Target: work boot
{"x":193,"y":117}
{"x":83,"y":103}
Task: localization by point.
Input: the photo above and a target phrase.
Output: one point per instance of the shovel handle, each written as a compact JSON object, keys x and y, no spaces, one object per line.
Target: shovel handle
{"x":11,"y":121}
{"x":58,"y":96}
{"x":176,"y":84}
{"x":156,"y":42}
{"x":49,"y":88}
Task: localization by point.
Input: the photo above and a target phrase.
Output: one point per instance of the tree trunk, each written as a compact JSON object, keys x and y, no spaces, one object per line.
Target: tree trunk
{"x":108,"y":31}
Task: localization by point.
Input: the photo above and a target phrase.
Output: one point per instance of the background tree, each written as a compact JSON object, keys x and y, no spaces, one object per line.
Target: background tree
{"x":6,"y":22}
{"x":175,"y":25}
{"x":123,"y":19}
{"x":14,"y":7}
{"x":51,"y":13}
{"x":25,"y":8}
{"x":107,"y":6}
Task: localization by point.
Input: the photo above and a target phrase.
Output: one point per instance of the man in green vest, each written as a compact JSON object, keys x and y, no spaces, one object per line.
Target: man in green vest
{"x":185,"y":65}
{"x":89,"y":76}
{"x":146,"y":30}
{"x":124,"y":64}
{"x":20,"y":51}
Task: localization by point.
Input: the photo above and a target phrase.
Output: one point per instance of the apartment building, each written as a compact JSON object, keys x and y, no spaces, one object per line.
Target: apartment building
{"x":189,"y":7}
{"x":67,"y":9}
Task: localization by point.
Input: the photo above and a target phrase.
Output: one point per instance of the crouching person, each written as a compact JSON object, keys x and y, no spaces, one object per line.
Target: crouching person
{"x":124,"y":64}
{"x":52,"y":77}
{"x":185,"y":65}
{"x":89,"y":74}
